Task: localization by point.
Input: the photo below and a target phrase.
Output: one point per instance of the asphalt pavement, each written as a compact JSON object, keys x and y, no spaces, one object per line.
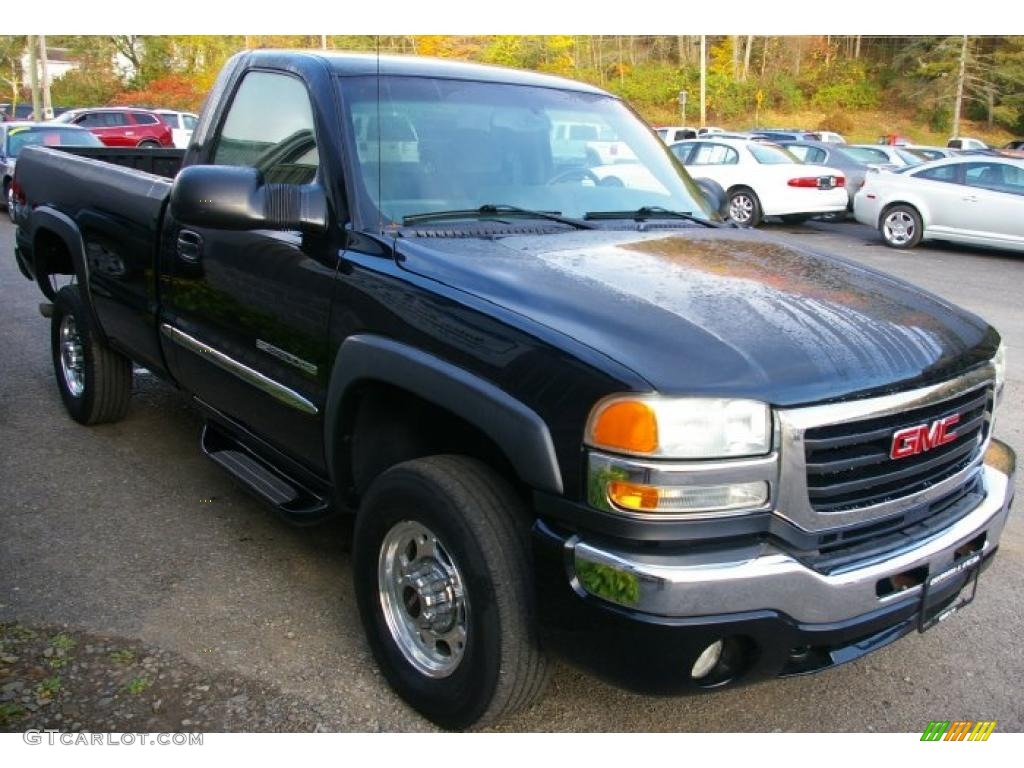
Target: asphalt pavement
{"x":125,"y":531}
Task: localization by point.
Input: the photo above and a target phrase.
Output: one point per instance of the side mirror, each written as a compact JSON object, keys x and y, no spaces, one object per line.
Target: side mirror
{"x":235,"y":197}
{"x":715,"y":196}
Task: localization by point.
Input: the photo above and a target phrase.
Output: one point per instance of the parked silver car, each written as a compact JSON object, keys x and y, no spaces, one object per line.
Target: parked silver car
{"x":886,"y":155}
{"x":970,"y":199}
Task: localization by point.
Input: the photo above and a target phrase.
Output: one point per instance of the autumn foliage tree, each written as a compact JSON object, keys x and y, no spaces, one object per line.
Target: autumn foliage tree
{"x":170,"y":91}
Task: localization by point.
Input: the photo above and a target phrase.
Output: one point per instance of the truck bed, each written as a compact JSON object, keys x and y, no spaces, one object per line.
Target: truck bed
{"x":159,"y":162}
{"x":118,"y":209}
{"x":104,"y":182}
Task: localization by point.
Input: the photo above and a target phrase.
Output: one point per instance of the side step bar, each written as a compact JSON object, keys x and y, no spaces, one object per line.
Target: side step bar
{"x":295,"y":502}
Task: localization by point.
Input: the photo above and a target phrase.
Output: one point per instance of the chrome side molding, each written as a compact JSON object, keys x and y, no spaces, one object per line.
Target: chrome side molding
{"x":273,"y":388}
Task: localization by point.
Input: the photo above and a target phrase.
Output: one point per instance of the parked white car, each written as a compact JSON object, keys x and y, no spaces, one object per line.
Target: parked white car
{"x":967,"y":199}
{"x":593,"y":143}
{"x":966,"y":142}
{"x":670,"y":134}
{"x":761,"y":179}
{"x":182,"y":124}
{"x":831,"y":137}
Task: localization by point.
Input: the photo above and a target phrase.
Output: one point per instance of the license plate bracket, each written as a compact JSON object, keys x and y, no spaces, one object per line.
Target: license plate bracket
{"x":931,"y":612}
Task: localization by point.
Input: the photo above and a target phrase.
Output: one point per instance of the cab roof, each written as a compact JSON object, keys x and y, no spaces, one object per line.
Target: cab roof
{"x":355,"y":64}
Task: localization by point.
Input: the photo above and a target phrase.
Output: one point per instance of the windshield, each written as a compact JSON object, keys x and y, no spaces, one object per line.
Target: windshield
{"x":433,"y":145}
{"x":19,"y":138}
{"x":769,"y":154}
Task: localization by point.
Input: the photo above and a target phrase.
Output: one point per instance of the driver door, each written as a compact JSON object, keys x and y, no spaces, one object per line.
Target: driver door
{"x":247,"y":312}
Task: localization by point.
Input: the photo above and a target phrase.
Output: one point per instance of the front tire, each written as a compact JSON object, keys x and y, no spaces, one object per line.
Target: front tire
{"x":443,"y":582}
{"x":149,"y":145}
{"x":745,"y":207}
{"x":95,"y":382}
{"x":901,"y":227}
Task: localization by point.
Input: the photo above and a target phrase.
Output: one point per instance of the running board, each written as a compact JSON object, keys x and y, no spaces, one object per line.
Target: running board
{"x":294,"y":501}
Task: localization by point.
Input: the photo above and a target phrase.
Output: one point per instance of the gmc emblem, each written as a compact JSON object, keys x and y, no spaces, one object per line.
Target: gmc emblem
{"x":914,"y":440}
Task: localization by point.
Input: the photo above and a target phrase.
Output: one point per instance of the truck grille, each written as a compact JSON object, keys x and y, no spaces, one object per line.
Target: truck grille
{"x":849,"y":466}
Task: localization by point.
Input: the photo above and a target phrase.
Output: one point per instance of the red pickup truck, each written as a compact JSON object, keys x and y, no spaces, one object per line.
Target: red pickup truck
{"x":122,"y":127}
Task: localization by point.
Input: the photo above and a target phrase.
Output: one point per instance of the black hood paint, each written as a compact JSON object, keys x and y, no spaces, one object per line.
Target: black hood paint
{"x":723,"y":312}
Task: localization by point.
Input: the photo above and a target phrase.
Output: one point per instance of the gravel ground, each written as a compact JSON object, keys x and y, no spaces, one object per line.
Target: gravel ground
{"x":54,"y":678}
{"x":124,"y":538}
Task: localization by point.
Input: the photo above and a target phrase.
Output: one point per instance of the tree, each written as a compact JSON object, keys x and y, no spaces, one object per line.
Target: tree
{"x":11,"y":48}
{"x":960,"y":88}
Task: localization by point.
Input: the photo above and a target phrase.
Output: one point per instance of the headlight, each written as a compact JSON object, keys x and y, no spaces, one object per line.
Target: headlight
{"x":999,"y":361}
{"x":680,"y":428}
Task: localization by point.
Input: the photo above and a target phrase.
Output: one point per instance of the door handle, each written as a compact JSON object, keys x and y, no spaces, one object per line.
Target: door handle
{"x":190,"y":246}
{"x":970,"y":199}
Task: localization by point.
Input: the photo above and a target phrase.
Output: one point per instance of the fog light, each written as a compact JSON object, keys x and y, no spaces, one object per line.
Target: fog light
{"x":707,"y":661}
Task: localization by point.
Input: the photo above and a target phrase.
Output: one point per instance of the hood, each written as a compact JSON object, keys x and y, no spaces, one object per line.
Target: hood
{"x":724,"y":312}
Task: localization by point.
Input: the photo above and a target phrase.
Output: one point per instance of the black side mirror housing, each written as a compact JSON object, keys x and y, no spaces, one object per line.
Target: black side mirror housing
{"x":236,"y":197}
{"x":715,"y":196}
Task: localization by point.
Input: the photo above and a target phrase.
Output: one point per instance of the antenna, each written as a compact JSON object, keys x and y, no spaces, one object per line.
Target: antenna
{"x":380,"y":164}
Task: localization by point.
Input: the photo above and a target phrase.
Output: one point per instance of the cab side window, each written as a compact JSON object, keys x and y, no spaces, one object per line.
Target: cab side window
{"x":269,"y":126}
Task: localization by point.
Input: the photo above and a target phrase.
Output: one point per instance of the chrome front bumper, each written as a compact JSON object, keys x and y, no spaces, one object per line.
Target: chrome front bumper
{"x":763,"y":577}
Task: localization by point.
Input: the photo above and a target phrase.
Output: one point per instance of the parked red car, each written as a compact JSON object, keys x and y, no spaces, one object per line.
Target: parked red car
{"x":122,"y":126}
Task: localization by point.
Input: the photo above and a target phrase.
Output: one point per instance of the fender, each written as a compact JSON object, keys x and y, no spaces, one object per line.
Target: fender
{"x":64,"y":227}
{"x":518,"y":430}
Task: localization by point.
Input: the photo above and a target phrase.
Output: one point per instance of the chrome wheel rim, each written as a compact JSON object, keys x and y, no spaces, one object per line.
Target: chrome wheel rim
{"x":423,"y":598}
{"x":741,"y":208}
{"x":72,"y":359}
{"x":10,"y":203}
{"x":899,"y":227}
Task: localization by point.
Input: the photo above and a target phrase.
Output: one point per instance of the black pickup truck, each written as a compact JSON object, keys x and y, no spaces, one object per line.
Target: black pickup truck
{"x":571,"y":410}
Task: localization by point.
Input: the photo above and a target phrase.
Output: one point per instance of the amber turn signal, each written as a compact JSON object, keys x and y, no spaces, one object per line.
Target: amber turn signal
{"x":626,"y":425}
{"x":632,"y":495}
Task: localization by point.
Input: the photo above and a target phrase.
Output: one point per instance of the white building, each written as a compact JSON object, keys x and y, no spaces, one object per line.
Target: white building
{"x":58,"y":64}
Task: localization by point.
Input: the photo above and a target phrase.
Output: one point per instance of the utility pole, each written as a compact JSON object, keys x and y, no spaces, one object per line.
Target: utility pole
{"x":323,"y":42}
{"x":703,"y":80}
{"x":960,"y":88}
{"x":47,"y":105}
{"x":33,"y":76}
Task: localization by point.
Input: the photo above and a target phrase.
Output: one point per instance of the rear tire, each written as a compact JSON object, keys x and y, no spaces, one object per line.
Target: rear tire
{"x":149,"y":145}
{"x":744,"y":207}
{"x":95,"y":382}
{"x":901,"y":227}
{"x":449,"y":526}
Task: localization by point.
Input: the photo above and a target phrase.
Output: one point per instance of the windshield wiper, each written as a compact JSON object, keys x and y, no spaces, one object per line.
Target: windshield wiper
{"x":648,"y":212}
{"x":491,"y":209}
